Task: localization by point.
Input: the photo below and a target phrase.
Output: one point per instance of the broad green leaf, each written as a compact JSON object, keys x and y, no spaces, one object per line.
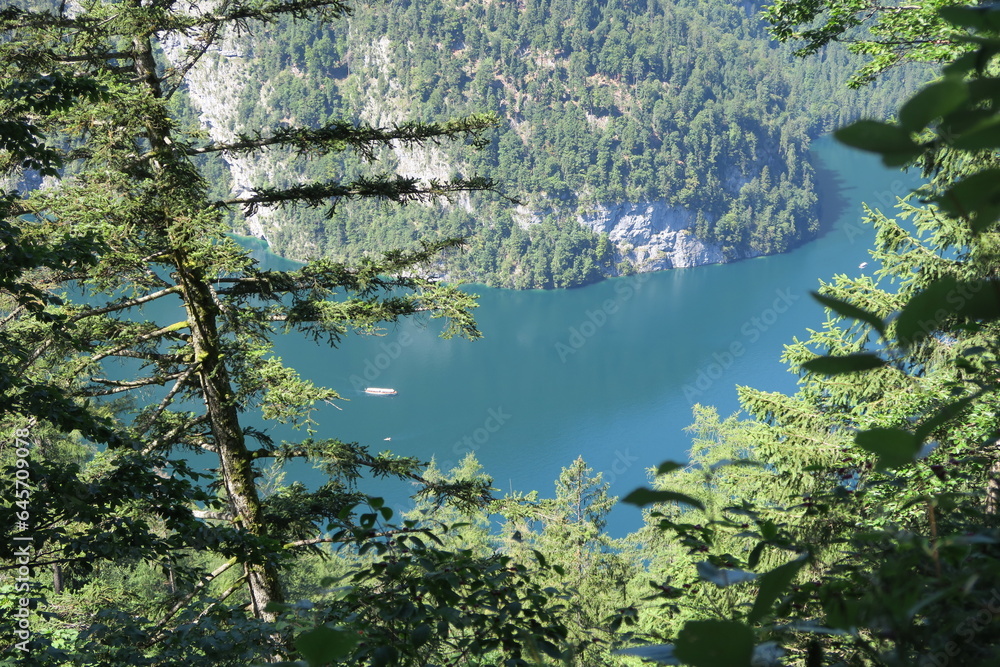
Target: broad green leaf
{"x":975,"y":198}
{"x":549,"y":649}
{"x":723,"y":576}
{"x":384,"y":656}
{"x":985,"y":88}
{"x":755,"y":555}
{"x":894,"y":447}
{"x":977,"y":18}
{"x":891,"y":141}
{"x":945,"y":414}
{"x":980,"y":300}
{"x":934,"y":101}
{"x":899,"y":159}
{"x":963,"y":120}
{"x":323,"y":645}
{"x":421,"y":634}
{"x":772,"y":584}
{"x":643,"y":497}
{"x":961,"y":65}
{"x":971,"y":192}
{"x":845,"y":309}
{"x":668,"y":466}
{"x":850,"y":363}
{"x":715,"y":644}
{"x":985,"y":134}
{"x":963,"y":17}
{"x":944,"y":300}
{"x":927,"y":311}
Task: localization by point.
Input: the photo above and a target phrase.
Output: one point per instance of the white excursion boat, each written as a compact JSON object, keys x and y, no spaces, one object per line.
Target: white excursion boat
{"x":381,"y":391}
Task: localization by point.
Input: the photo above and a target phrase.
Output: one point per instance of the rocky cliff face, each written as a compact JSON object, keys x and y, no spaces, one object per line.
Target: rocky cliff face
{"x":651,"y":236}
{"x":648,"y":235}
{"x":215,"y":85}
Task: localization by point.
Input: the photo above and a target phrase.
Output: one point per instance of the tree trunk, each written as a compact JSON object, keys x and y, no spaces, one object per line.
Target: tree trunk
{"x":57,"y":579}
{"x":236,"y":463}
{"x":993,"y":488}
{"x":171,"y":578}
{"x":186,"y":204}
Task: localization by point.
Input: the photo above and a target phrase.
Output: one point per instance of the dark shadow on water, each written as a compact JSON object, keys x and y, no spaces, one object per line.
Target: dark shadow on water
{"x":833,"y":203}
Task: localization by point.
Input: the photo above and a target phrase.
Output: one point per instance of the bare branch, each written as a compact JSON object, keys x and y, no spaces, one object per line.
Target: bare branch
{"x":121,"y":386}
{"x":151,"y":356}
{"x":178,"y":385}
{"x":194,"y":55}
{"x":330,"y":540}
{"x":12,"y":315}
{"x":173,"y":433}
{"x":177,"y":326}
{"x":180,"y":604}
{"x":215,"y":516}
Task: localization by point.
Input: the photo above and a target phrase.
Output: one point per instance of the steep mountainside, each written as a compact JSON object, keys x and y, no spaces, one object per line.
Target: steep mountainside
{"x":634,"y":136}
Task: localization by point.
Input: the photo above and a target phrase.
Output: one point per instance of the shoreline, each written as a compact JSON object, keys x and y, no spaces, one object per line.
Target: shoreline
{"x":831,"y":202}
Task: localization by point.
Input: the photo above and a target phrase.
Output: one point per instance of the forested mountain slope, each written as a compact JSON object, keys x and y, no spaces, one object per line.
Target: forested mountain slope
{"x":856,"y":522}
{"x":635,"y":136}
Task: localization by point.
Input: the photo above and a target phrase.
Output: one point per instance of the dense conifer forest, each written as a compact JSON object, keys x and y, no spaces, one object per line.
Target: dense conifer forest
{"x":145,"y":523}
{"x":683,"y":103}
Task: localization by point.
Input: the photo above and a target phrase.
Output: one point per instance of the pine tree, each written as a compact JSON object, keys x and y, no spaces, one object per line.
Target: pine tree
{"x":567,"y":533}
{"x":141,"y":230}
{"x":890,"y":443}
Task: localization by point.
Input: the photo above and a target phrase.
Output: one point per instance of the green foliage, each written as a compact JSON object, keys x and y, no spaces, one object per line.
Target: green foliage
{"x":596,"y":575}
{"x":449,"y":604}
{"x":124,"y":257}
{"x":886,"y":456}
{"x":642,"y":497}
{"x":323,"y":645}
{"x":888,"y":33}
{"x":852,"y":523}
{"x":698,"y":644}
{"x":680,"y":103}
{"x":22,"y":102}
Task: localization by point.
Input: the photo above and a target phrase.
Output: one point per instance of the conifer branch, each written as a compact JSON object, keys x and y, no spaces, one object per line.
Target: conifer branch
{"x":180,"y":604}
{"x":173,"y":433}
{"x":386,"y":187}
{"x":122,"y":305}
{"x":119,"y":386}
{"x":173,"y":328}
{"x":364,"y":139}
{"x":167,"y":400}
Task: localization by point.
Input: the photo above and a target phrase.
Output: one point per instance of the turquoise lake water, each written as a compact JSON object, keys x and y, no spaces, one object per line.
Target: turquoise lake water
{"x":609,"y":371}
